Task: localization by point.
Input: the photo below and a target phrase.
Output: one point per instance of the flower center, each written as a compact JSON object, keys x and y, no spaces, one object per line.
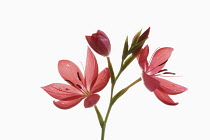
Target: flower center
{"x":78,"y":86}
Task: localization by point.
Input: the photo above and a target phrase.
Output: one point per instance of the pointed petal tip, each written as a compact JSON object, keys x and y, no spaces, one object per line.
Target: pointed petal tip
{"x":171,"y":103}
{"x":164,"y":97}
{"x":88,"y":38}
{"x":148,"y":30}
{"x":45,"y":88}
{"x":185,"y":89}
{"x":98,"y":31}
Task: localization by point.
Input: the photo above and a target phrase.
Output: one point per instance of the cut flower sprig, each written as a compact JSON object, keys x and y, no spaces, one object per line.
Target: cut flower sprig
{"x":86,"y":86}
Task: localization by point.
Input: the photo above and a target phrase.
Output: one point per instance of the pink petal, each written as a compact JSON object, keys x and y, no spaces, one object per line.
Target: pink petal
{"x":92,"y":41}
{"x":99,"y":32}
{"x":105,"y":42}
{"x":163,"y":97}
{"x":91,"y":70}
{"x":89,"y":40}
{"x":62,"y":91}
{"x":142,"y":59}
{"x":102,"y":80}
{"x":170,"y":87}
{"x":70,"y":72}
{"x":159,"y":59}
{"x":150,"y":82}
{"x":67,"y":104}
{"x":91,"y":100}
{"x":104,"y":46}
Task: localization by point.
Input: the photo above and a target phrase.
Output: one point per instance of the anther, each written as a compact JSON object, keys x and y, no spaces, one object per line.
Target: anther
{"x":70,"y":82}
{"x":169,"y":73}
{"x":78,"y":76}
{"x":162,"y":70}
{"x":78,"y":86}
{"x":163,"y":63}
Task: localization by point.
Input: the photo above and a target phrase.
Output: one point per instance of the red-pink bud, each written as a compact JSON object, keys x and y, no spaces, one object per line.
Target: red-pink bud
{"x":141,"y":38}
{"x":100,"y":43}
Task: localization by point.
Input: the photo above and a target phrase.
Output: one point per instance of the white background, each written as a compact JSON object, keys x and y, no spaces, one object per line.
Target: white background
{"x":35,"y":35}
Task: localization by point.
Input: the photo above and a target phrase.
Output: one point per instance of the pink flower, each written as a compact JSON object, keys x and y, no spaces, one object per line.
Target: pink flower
{"x":100,"y":43}
{"x":79,"y":87}
{"x":161,"y":87}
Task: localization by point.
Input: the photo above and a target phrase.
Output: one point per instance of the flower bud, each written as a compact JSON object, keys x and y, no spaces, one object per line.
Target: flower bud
{"x":141,"y":38}
{"x":100,"y":43}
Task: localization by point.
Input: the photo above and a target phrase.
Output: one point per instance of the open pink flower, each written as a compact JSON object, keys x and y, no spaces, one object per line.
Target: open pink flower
{"x":161,"y":87}
{"x":79,"y":87}
{"x":100,"y":43}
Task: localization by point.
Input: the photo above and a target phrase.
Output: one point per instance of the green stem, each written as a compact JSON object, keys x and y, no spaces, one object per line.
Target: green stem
{"x":113,"y":80}
{"x":136,"y":81}
{"x":111,"y":105}
{"x":103,"y":132}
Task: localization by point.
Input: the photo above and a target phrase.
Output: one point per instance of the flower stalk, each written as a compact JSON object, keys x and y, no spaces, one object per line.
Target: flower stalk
{"x":102,"y":121}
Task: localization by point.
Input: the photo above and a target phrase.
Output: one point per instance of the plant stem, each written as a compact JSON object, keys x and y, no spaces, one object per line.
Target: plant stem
{"x":103,"y":132}
{"x":110,"y":107}
{"x":114,"y":79}
{"x":111,"y":104}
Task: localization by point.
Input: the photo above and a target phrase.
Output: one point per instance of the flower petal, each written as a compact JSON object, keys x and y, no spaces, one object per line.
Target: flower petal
{"x":102,"y":80}
{"x":106,"y":49}
{"x":67,"y":104}
{"x":142,"y":59}
{"x":91,"y":70}
{"x":70,"y":72}
{"x":104,"y":41}
{"x":91,"y":100}
{"x":163,"y":97}
{"x":90,"y":42}
{"x":170,"y":87}
{"x":159,"y":60}
{"x":150,"y":82}
{"x":99,"y":32}
{"x":62,"y":91}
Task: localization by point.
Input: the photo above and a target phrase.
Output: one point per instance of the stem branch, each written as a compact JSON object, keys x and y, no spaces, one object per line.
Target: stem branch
{"x":112,"y":99}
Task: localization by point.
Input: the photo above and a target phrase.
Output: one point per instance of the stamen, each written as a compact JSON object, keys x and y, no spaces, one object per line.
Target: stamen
{"x":78,"y":76}
{"x":162,"y":70}
{"x":163,"y":63}
{"x":78,"y":86}
{"x":169,"y":73}
{"x":70,"y":82}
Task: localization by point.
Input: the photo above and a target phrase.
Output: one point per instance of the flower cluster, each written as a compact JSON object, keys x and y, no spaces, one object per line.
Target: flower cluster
{"x":87,"y":85}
